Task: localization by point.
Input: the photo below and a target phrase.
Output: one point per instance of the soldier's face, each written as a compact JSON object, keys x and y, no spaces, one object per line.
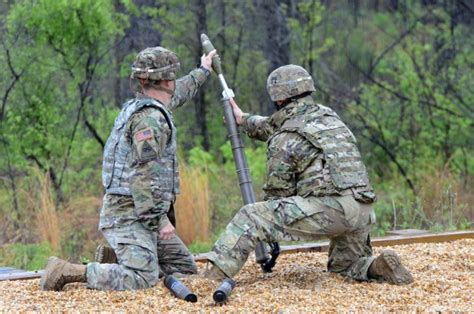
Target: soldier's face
{"x":278,"y":104}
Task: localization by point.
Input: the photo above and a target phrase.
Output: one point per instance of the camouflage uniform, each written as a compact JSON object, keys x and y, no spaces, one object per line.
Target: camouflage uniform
{"x":141,"y":180}
{"x":316,"y":186}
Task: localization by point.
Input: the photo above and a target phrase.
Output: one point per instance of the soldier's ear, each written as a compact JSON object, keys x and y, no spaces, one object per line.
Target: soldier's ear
{"x":168,"y":84}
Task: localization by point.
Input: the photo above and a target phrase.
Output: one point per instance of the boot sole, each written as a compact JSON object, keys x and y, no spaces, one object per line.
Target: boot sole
{"x":99,"y":254}
{"x":397,"y":274}
{"x":103,"y":256}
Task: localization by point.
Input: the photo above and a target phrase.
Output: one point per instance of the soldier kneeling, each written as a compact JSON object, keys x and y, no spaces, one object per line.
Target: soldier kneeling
{"x":317,"y":185}
{"x":140,"y":177}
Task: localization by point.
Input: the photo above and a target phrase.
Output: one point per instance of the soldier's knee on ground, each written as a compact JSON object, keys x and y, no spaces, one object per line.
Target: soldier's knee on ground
{"x":339,"y":265}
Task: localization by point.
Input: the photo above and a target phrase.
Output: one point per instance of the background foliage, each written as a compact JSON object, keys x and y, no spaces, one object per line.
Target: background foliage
{"x":399,"y":72}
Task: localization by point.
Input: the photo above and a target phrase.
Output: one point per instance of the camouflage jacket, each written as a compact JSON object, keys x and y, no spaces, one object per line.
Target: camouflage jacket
{"x":310,"y":152}
{"x":146,"y":189}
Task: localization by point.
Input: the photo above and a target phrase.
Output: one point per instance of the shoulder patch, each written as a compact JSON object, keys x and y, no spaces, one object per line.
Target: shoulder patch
{"x":147,"y":153}
{"x":144,"y":135}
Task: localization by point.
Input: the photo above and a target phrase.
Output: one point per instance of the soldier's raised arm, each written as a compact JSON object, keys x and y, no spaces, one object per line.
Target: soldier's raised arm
{"x":188,"y":85}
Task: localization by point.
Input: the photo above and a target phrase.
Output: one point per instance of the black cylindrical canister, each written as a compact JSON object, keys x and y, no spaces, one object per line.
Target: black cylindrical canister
{"x":179,"y":289}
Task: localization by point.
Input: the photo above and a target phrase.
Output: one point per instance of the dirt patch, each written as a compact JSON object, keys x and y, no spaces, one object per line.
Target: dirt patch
{"x":443,"y":274}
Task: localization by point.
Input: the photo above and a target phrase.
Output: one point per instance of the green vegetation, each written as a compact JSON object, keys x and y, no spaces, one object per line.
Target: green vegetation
{"x":25,"y":256}
{"x":400,"y":73}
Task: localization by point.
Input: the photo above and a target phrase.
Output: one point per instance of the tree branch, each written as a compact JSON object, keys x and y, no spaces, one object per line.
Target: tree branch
{"x":402,"y":36}
{"x":397,"y":93}
{"x":94,"y":132}
{"x":16,"y":77}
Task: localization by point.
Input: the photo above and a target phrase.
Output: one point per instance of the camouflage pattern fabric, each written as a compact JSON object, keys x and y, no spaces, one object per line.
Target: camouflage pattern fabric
{"x":155,"y":63}
{"x":187,"y":87}
{"x":137,"y":268}
{"x":345,"y":221}
{"x":117,"y":163}
{"x":310,"y":151}
{"x":340,"y":167}
{"x":153,"y":175}
{"x":295,"y":165}
{"x":130,"y":218}
{"x":116,"y":209}
{"x":257,"y":127}
{"x":288,"y":81}
{"x":174,"y":257}
{"x":142,"y":259}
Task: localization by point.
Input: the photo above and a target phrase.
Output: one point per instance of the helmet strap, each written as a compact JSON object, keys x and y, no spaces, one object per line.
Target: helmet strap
{"x":290,"y":100}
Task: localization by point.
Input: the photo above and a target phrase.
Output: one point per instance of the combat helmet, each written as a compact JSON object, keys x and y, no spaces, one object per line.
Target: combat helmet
{"x":155,"y":63}
{"x":289,"y":81}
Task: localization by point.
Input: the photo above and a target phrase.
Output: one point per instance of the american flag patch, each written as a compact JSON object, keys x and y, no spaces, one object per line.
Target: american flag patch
{"x":143,"y":135}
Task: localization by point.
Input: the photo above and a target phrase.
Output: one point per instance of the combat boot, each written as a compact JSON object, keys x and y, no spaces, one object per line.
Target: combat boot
{"x":105,"y":255}
{"x":388,"y":266}
{"x":59,"y":272}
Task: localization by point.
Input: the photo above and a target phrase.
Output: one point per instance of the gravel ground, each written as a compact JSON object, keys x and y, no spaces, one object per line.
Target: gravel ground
{"x":443,"y":272}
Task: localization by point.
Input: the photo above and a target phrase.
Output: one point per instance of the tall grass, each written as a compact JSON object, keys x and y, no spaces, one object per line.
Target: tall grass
{"x":41,"y":204}
{"x":446,"y":198}
{"x":192,"y":205}
{"x":444,"y":202}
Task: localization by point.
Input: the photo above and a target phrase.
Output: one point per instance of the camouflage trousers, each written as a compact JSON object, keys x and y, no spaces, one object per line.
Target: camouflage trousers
{"x":345,"y":221}
{"x":141,"y":256}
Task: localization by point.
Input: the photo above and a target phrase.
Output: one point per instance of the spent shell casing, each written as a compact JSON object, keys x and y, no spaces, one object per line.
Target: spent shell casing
{"x":223,"y":291}
{"x":179,"y":289}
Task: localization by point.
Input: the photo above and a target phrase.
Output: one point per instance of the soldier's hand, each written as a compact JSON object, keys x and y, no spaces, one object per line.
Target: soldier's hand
{"x":206,"y":61}
{"x":238,"y":113}
{"x":167,"y":232}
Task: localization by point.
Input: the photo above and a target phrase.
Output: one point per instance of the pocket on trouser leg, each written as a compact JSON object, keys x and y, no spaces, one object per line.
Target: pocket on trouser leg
{"x":351,"y":209}
{"x":132,"y":254}
{"x":293,"y":209}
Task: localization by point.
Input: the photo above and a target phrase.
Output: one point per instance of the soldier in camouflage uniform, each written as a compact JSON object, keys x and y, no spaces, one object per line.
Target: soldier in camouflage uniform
{"x":140,"y":176}
{"x":316,"y":186}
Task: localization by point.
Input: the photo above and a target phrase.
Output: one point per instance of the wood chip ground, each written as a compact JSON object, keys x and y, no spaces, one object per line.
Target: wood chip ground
{"x":443,"y":272}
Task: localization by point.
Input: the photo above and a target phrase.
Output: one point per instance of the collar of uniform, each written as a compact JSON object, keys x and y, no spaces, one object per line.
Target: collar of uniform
{"x":140,"y":96}
{"x":294,"y":108}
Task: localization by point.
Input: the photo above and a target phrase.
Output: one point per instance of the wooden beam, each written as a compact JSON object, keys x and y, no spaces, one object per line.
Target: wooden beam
{"x":322,"y":246}
{"x":424,"y":238}
{"x":21,"y":275}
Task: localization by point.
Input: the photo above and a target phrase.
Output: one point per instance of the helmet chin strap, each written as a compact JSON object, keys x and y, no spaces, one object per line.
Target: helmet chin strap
{"x":289,"y":100}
